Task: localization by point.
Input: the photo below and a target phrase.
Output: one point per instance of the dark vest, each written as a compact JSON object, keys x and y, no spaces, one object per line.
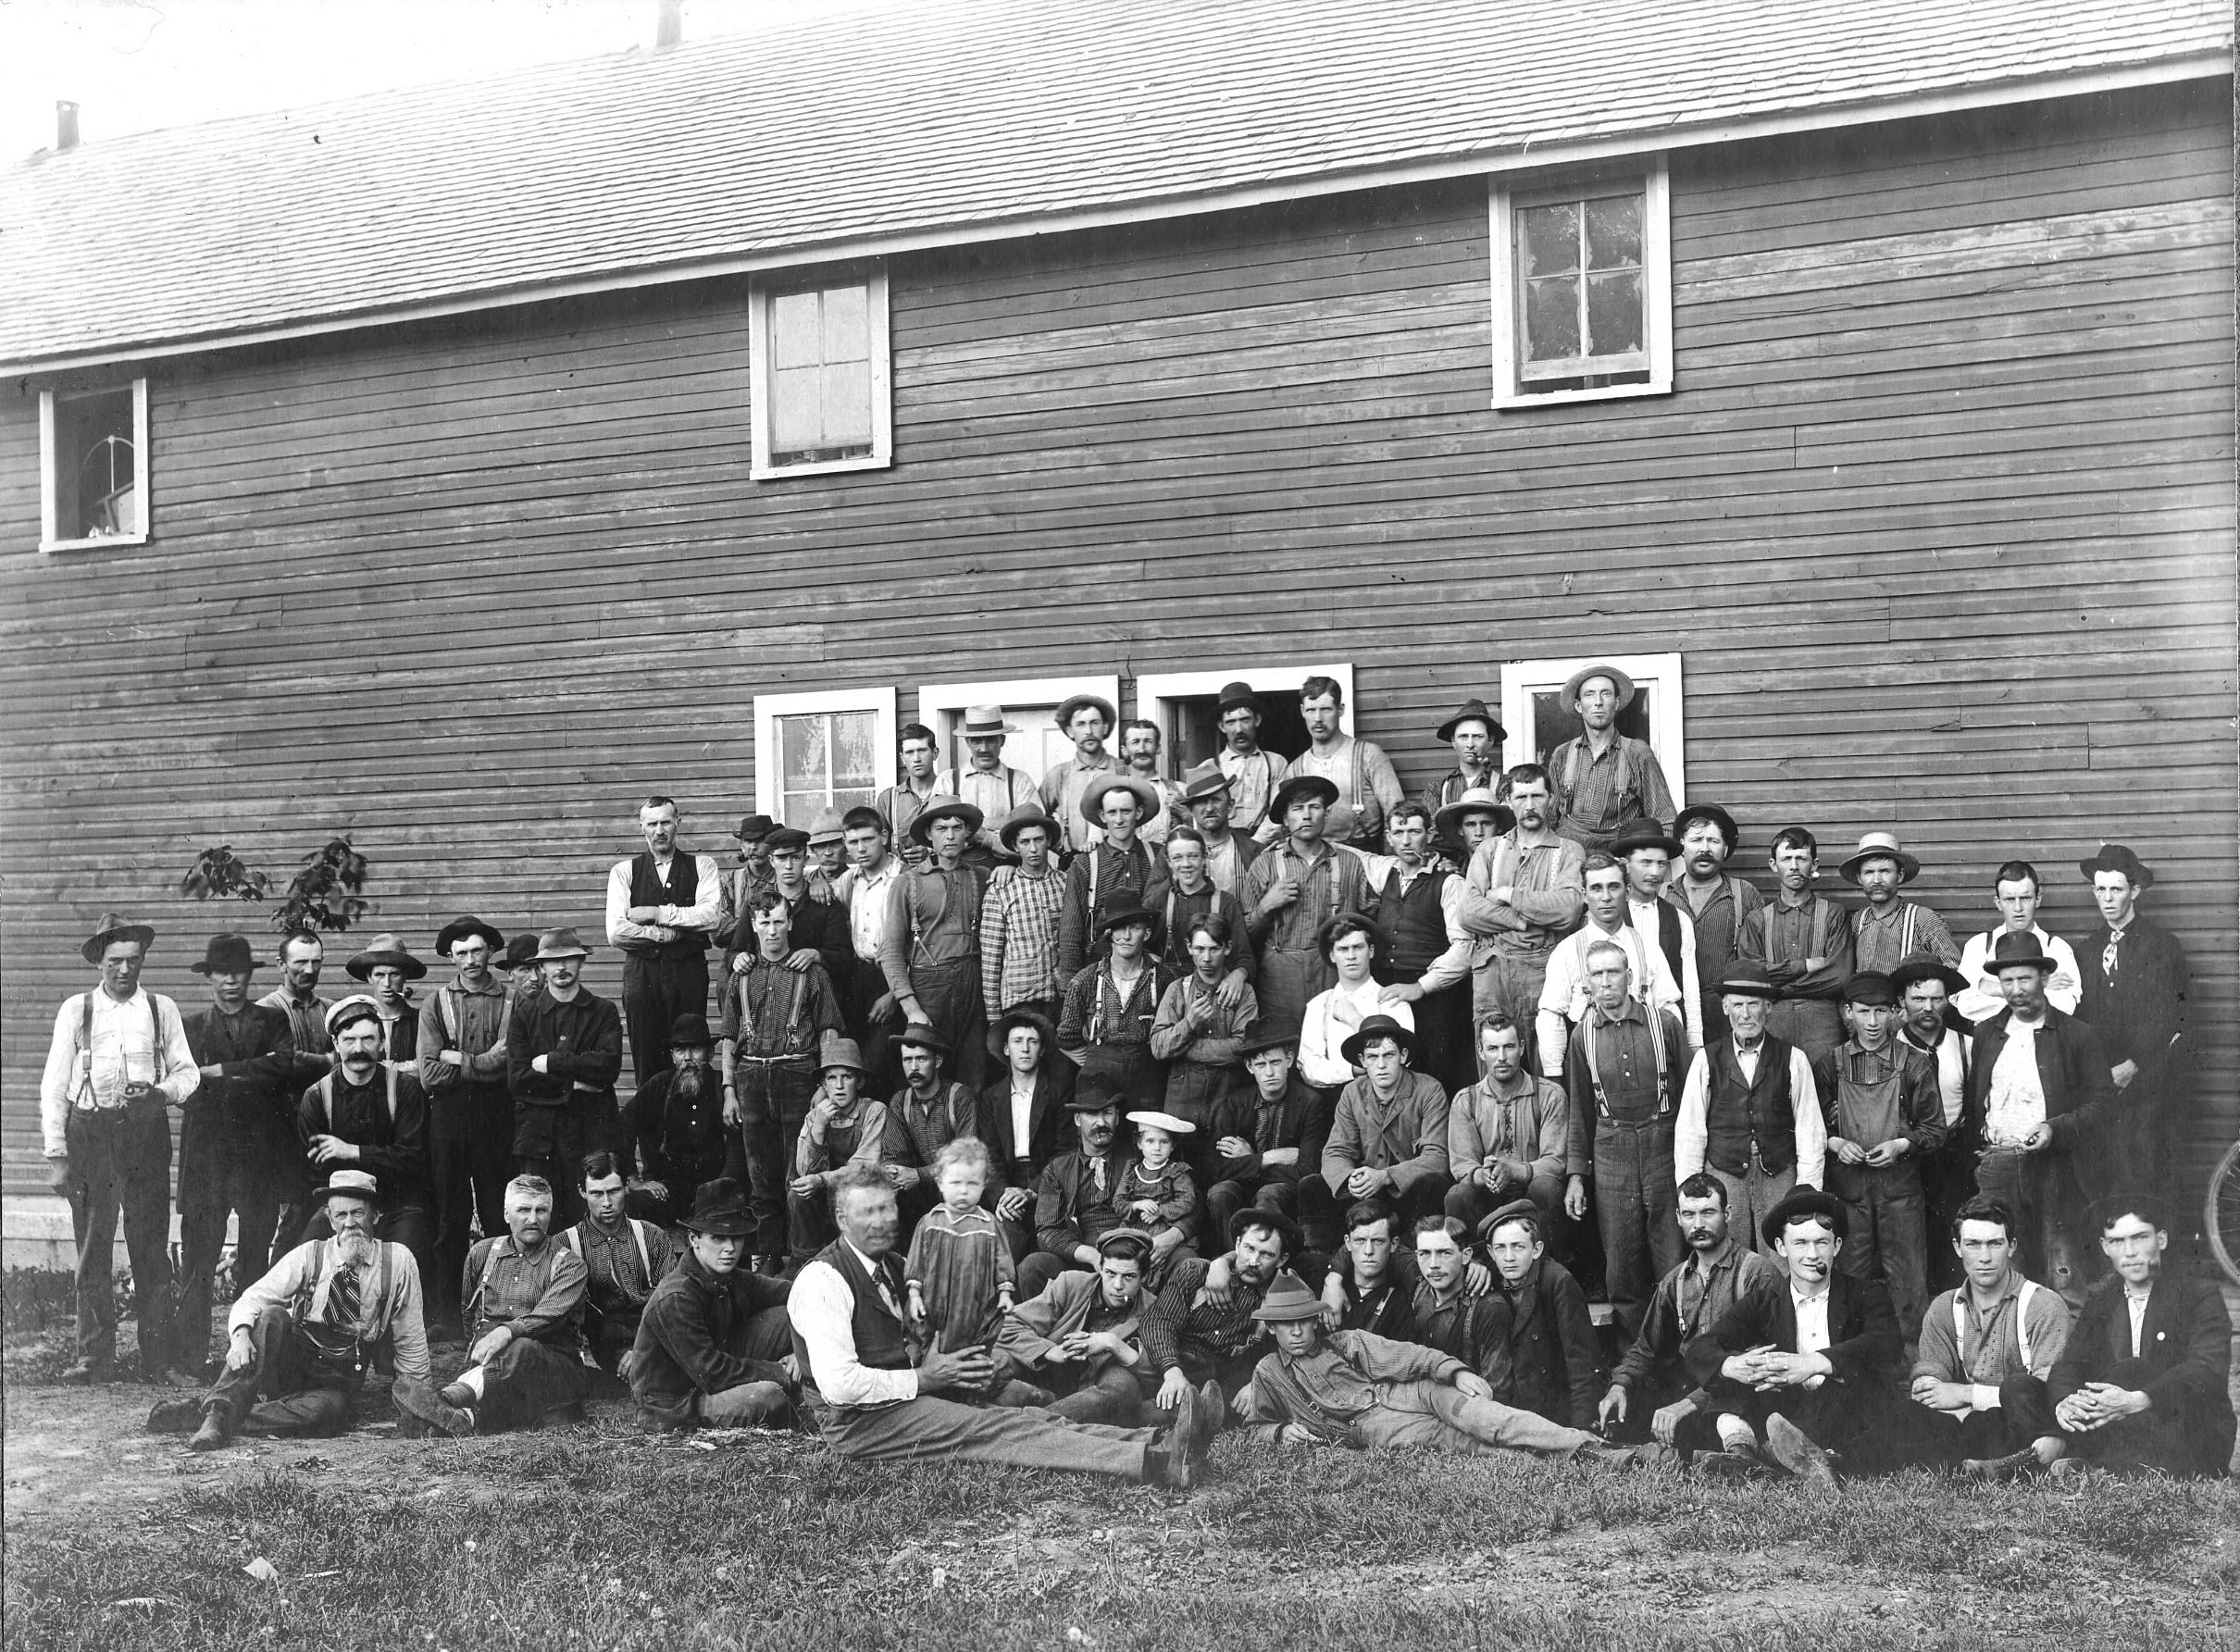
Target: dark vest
{"x":1736,"y":1114}
{"x":1416,"y":921}
{"x":681,"y":888}
{"x":881,"y":1344}
{"x":1667,"y":937}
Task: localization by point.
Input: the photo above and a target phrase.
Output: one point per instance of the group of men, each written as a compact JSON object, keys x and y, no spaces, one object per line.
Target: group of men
{"x":1493,"y":1009}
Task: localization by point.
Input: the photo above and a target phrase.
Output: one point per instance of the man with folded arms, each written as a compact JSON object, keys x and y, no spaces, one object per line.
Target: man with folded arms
{"x":368,"y":1115}
{"x":1750,"y":1111}
{"x":987,"y":782}
{"x":1419,"y":903}
{"x":1290,"y":894}
{"x":1713,"y":900}
{"x":1019,"y":918}
{"x":2016,"y":891}
{"x":663,"y":908}
{"x":714,"y":1347}
{"x":301,"y":957}
{"x":1388,"y":1135}
{"x":930,"y":949}
{"x":471,"y":1112}
{"x":563,"y":1055}
{"x":1602,"y":779}
{"x":1888,"y":930}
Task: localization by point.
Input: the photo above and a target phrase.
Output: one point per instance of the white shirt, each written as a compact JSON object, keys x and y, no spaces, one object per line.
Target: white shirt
{"x":1691,"y":1127}
{"x":1564,"y":997}
{"x":705,"y":914}
{"x":1951,"y":1072}
{"x":822,"y":1309}
{"x":123,"y":1051}
{"x":868,"y":895}
{"x":1811,"y":1328}
{"x":1334,"y":1016}
{"x":2136,"y":1307}
{"x":1979,"y":1002}
{"x":1644,"y":917}
{"x":1022,"y":1111}
{"x":1224,"y":865}
{"x":1453,"y":963}
{"x":2015,"y":1105}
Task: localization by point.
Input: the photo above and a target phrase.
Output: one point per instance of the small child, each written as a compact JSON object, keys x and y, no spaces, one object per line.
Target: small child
{"x":959,"y":1270}
{"x":1155,"y":1192}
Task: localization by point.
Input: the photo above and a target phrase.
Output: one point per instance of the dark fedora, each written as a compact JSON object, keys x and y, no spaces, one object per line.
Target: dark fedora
{"x":754,"y":828}
{"x":1745,"y":979}
{"x":1804,"y":1202}
{"x":1870,"y":989}
{"x":1376,"y":1027}
{"x":1309,"y":784}
{"x":1076,"y":702}
{"x":520,"y":953}
{"x":114,"y":928}
{"x":2013,"y":951}
{"x":998,"y":1035}
{"x":689,"y":1031}
{"x":1019,"y":819}
{"x":227,"y":954}
{"x":1446,"y":824}
{"x":1716,"y":815}
{"x":1643,"y":833}
{"x":2116,"y":857}
{"x":1288,"y":1301}
{"x":1586,"y":673}
{"x":1261,"y":1216}
{"x":1122,"y":916}
{"x":385,"y":951}
{"x":1094,"y":1092}
{"x":944,"y":808}
{"x":1204,"y":782}
{"x":462,"y":926}
{"x":719,"y":1209}
{"x":918,"y":1035}
{"x":1472,"y":709}
{"x":1924,"y":966}
{"x":1274,"y":1036}
{"x":1233,"y":695}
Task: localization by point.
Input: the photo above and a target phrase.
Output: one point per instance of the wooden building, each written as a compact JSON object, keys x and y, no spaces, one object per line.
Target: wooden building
{"x":451,"y":468}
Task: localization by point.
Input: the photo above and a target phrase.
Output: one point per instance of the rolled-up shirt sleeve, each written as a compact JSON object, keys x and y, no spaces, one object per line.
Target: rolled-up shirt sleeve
{"x":823,"y":1312}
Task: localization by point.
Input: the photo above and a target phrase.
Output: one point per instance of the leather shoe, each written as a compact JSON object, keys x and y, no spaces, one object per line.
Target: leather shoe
{"x":1736,"y":1464}
{"x":2015,"y":1465}
{"x":1212,"y":1410}
{"x":1794,"y":1451}
{"x":416,"y":1398}
{"x":1617,"y":1459}
{"x":175,"y":1416}
{"x":211,"y":1434}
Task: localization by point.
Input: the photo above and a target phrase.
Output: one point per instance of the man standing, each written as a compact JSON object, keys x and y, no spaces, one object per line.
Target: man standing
{"x":1474,"y":819}
{"x":1206,"y":799}
{"x":2016,"y":889}
{"x":1105,"y":1023}
{"x":1252,"y":774}
{"x":662,"y":907}
{"x":1508,"y":1133}
{"x":1290,"y":1122}
{"x":1564,"y":990}
{"x":1749,"y":1112}
{"x":1645,"y":855}
{"x":1887,"y":931}
{"x":1359,"y":773}
{"x":1603,"y":778}
{"x":1019,"y":918}
{"x":1804,"y":942}
{"x":2134,"y":985}
{"x":386,"y":966}
{"x":1140,"y":744}
{"x":563,"y":1055}
{"x":237,"y":1148}
{"x":470,"y":1112}
{"x":1476,"y":739}
{"x":715,"y":1347}
{"x":1111,"y":873}
{"x":774,"y":1020}
{"x":828,"y":858}
{"x":1927,"y":1022}
{"x":930,"y":952}
{"x":1713,"y":900}
{"x":624,"y":1259}
{"x":677,"y":1124}
{"x":302,"y":956}
{"x":1419,"y":905}
{"x":1388,"y":1138}
{"x":1086,"y":720}
{"x":1555,"y":1364}
{"x":368,"y":1115}
{"x":1290,"y":893}
{"x":1530,"y":887}
{"x":1884,"y":1117}
{"x":1622,"y":1070}
{"x":753,"y":872}
{"x":1181,"y":893}
{"x":817,"y":931}
{"x":868,"y":889}
{"x":986,"y":781}
{"x":1074,"y":1205}
{"x":901,"y":803}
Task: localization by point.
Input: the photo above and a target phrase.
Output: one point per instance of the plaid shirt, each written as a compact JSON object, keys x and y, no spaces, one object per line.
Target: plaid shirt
{"x":1019,"y":938}
{"x":1595,"y":796}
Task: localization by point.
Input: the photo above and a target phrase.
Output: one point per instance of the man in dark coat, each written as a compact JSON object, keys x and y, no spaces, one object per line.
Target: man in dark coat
{"x":369,"y":1115}
{"x":563,"y":1055}
{"x":1555,"y":1364}
{"x":713,"y":1346}
{"x":1290,"y":1120}
{"x":1032,"y":1085}
{"x":1074,"y":1204}
{"x":2134,"y":983}
{"x":675,"y":1123}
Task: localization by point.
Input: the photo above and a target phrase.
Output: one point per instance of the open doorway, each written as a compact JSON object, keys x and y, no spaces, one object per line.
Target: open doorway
{"x":1183,"y":704}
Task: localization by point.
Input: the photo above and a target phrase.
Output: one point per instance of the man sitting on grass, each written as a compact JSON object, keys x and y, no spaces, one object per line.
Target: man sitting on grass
{"x":1078,"y":1340}
{"x":715,"y":1347}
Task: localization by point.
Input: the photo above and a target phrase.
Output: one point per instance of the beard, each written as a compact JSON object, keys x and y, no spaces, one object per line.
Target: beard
{"x":689,"y":1080}
{"x":357,"y":1251}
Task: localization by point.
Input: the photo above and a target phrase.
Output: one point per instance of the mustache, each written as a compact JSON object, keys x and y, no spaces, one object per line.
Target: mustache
{"x":357,"y":1250}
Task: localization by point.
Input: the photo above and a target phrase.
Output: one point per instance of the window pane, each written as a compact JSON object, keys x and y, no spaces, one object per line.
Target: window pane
{"x":847,"y":405}
{"x":1613,"y":231}
{"x":801,"y":748}
{"x":855,"y":737}
{"x":796,"y":419}
{"x":1613,"y":313}
{"x":1551,"y":320}
{"x":794,"y":329}
{"x":1548,"y":238}
{"x":95,"y":488}
{"x":847,"y":332}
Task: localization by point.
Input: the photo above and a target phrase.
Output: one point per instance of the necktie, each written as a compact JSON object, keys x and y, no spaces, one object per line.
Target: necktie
{"x":2107,"y":955}
{"x":1096,"y":1171}
{"x":345,"y":1298}
{"x":885,"y":1278}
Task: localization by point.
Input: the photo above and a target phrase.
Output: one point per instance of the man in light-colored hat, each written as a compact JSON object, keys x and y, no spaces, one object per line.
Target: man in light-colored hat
{"x":385,"y":965}
{"x":1019,"y":919}
{"x":1888,"y":930}
{"x":1086,"y":720}
{"x":1112,"y":872}
{"x":1750,"y":1111}
{"x":664,"y":908}
{"x":118,"y":1057}
{"x":563,"y":1055}
{"x":1469,"y":819}
{"x":369,"y":1115}
{"x":300,"y":1337}
{"x":1603,"y":778}
{"x":2135,"y":980}
{"x":930,"y":949}
{"x":1476,"y":737}
{"x":470,"y":1112}
{"x":827,"y":856}
{"x":986,"y":781}
{"x":1367,"y":786}
{"x":845,"y":1128}
{"x":1207,"y":797}
{"x":1253,"y":773}
{"x":715,"y":1348}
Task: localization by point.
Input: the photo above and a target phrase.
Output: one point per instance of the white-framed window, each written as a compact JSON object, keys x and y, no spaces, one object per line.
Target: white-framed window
{"x":93,"y":466}
{"x":833,"y":749}
{"x":1538,"y":721}
{"x":1040,"y":745}
{"x":1184,"y":704}
{"x":817,"y":354}
{"x":1582,"y":288}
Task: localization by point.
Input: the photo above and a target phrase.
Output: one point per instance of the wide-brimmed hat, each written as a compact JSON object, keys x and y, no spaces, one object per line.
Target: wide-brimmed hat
{"x":1870,"y":989}
{"x":349,"y":1011}
{"x":1376,"y":1027}
{"x":1806,"y":1201}
{"x":754,"y":828}
{"x":1204,"y":783}
{"x":998,"y":1035}
{"x":1315,"y":783}
{"x":227,"y":954}
{"x":1288,"y":1301}
{"x":1074,"y":703}
{"x":1094,"y":1092}
{"x":981,"y":721}
{"x":1473,"y":708}
{"x":352,"y":1184}
{"x":1019,"y":819}
{"x":1148,"y":803}
{"x":837,"y":1051}
{"x":941,"y":807}
{"x":1922,"y":966}
{"x":385,"y":951}
{"x":1121,"y":916}
{"x":2011,"y":951}
{"x":1162,"y":1121}
{"x":1742,"y":978}
{"x":1716,"y":815}
{"x":1879,"y":845}
{"x":1274,"y":1035}
{"x":460,"y":927}
{"x":1446,"y":822}
{"x":114,"y":928}
{"x":1262,"y":1216}
{"x":1234,"y":694}
{"x":556,"y":944}
{"x":922,"y":1036}
{"x":827,"y":828}
{"x":1326,"y":934}
{"x":1586,"y":673}
{"x":1642,"y":834}
{"x":520,"y":953}
{"x":2116,"y":857}
{"x":689,"y":1031}
{"x":721,"y":1210}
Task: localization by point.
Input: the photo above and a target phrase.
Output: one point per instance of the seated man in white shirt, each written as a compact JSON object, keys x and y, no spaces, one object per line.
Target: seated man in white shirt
{"x":2015,"y":892}
{"x":1563,"y":990}
{"x":877,"y":1390}
{"x":1353,"y":946}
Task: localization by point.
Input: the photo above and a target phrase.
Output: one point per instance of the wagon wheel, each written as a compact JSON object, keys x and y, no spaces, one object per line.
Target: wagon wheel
{"x":2220,"y":1212}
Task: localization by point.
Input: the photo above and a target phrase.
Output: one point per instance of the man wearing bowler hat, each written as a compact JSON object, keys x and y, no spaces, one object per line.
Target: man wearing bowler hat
{"x":1087,"y":720}
{"x":2134,"y":981}
{"x":664,"y":906}
{"x":563,"y":1055}
{"x":1290,"y":893}
{"x":1023,"y":1111}
{"x":986,"y":781}
{"x":1712,"y":900}
{"x":1476,"y":738}
{"x":753,"y":872}
{"x":1253,"y":773}
{"x":1074,"y":1197}
{"x":1019,"y":919}
{"x":1927,"y":1022}
{"x":1888,"y":930}
{"x":470,"y":1112}
{"x":1750,"y":1111}
{"x":1112,"y":872}
{"x":1207,"y":799}
{"x":930,"y":949}
{"x":386,"y":966}
{"x":368,"y":1115}
{"x":1387,"y":1137}
{"x":1603,"y":778}
{"x":237,"y":1148}
{"x":715,"y":1348}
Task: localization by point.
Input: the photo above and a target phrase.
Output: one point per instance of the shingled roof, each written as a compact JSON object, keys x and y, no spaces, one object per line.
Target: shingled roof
{"x":945,"y":122}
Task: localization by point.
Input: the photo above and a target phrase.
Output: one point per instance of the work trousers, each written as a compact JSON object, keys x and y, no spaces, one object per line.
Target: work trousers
{"x":290,"y":1387}
{"x":746,"y":1405}
{"x":2048,"y":1253}
{"x":1322,"y":1214}
{"x":1835,"y":1415}
{"x":221,"y":1177}
{"x":121,"y":1162}
{"x":551,"y":1141}
{"x":1473,"y":1204}
{"x":1636,"y":1211}
{"x":658,"y":987}
{"x":1428,"y":1416}
{"x":1946,"y":1439}
{"x":874,"y":1036}
{"x":773,"y":1103}
{"x":2157,"y":1439}
{"x":1511,"y":985}
{"x":525,"y":1379}
{"x":1110,"y":1394}
{"x":1263,"y":1189}
{"x":950,"y":996}
{"x":932,"y":1427}
{"x":470,"y":1131}
{"x":1888,"y":1233}
{"x":1751,"y":1195}
{"x":1444,"y":1047}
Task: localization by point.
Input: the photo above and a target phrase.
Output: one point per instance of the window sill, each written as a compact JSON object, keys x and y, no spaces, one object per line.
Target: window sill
{"x":1607,"y":393}
{"x":774,"y":473}
{"x":100,"y":544}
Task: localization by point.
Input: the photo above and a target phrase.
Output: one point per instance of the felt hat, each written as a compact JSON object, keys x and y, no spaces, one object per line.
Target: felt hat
{"x":352,"y":1184}
{"x":1235,"y":694}
{"x":1509,"y":1212}
{"x":1480,"y":799}
{"x":837,"y":1051}
{"x":1310,"y":784}
{"x":981,"y":721}
{"x":1473,"y":708}
{"x":1203,"y":782}
{"x":1806,"y":1201}
{"x":1262,"y":1216}
{"x":1924,"y":966}
{"x":349,"y":1011}
{"x":1716,"y":815}
{"x":519,"y":953}
{"x":1642,"y":834}
{"x":786,"y":836}
{"x":689,"y":1031}
{"x":114,"y":928}
{"x":1288,"y":1301}
{"x":944,"y":808}
{"x":227,"y":954}
{"x":1376,"y":1027}
{"x":1380,"y":939}
{"x":1093,"y":1093}
{"x":1163,"y":1121}
{"x":1274,"y":1035}
{"x":1586,"y":673}
{"x":2102,"y":1213}
{"x":460,"y":927}
{"x":1880,"y":846}
{"x":1743,"y":978}
{"x":754,"y":828}
{"x":1019,"y":819}
{"x":385,"y":951}
{"x":719,"y":1209}
{"x":1076,"y":702}
{"x":1148,"y":803}
{"x":1870,"y":989}
{"x":2115,"y":857}
{"x":919,"y":1035}
{"x":1131,"y":1239}
{"x":998,"y":1035}
{"x":556,"y":944}
{"x":1120,"y":916}
{"x":827,"y":828}
{"x":2010,"y":951}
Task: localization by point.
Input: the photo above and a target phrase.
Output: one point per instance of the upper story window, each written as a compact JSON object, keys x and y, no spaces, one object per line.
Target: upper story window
{"x":819,"y":362}
{"x":1582,"y":290}
{"x":93,"y":466}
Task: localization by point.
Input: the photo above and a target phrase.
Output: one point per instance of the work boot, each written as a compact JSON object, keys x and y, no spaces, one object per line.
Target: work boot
{"x":1212,"y":1409}
{"x":1657,"y":1455}
{"x":1737,"y":1462}
{"x":175,"y":1416}
{"x":2015,"y":1465}
{"x":86,"y":1373}
{"x":212,"y":1434}
{"x":1190,"y":1424}
{"x":1794,"y":1451}
{"x":1617,"y":1459}
{"x":416,"y":1398}
{"x":2070,"y":1471}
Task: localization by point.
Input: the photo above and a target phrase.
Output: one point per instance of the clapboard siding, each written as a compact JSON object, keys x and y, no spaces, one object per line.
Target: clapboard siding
{"x":1940,"y":517}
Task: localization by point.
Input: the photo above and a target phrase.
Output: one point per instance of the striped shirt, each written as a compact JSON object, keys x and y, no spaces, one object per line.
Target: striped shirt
{"x":1253,"y":778}
{"x":1595,"y":796}
{"x":1019,"y":938}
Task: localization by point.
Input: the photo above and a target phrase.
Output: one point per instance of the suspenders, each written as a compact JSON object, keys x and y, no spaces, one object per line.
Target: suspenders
{"x":2021,"y":1319}
{"x":1594,"y":1065}
{"x":326,"y":1089}
{"x":85,"y":1044}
